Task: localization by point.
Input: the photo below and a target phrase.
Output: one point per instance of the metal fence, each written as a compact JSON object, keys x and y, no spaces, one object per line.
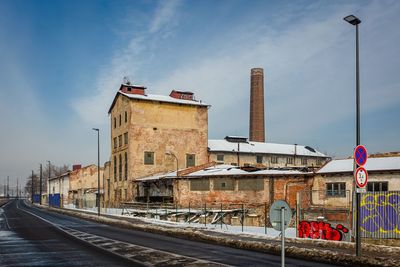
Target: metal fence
{"x":380,"y":214}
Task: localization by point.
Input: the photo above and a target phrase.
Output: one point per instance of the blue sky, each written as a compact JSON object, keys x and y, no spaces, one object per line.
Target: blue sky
{"x":61,"y":63}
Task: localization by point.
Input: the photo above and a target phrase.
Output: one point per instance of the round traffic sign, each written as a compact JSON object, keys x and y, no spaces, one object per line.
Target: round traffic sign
{"x":361,"y":177}
{"x":360,"y":155}
{"x":275,"y":213}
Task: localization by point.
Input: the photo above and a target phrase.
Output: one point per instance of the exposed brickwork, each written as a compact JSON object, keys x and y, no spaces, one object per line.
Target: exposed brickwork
{"x":257,"y":129}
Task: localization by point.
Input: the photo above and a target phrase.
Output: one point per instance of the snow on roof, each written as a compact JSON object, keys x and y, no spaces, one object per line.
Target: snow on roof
{"x":373,"y":164}
{"x":220,"y":170}
{"x":263,"y":148}
{"x":157,"y":176}
{"x":163,"y":98}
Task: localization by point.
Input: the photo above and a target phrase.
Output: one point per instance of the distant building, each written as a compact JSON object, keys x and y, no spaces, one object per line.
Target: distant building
{"x":83,"y":186}
{"x":238,"y":151}
{"x":59,"y":185}
{"x":153,"y":134}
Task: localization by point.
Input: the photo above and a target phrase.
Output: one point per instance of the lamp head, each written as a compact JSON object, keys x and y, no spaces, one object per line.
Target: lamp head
{"x":353,"y":20}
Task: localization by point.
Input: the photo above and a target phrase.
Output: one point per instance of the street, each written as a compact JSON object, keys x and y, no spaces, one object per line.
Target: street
{"x":34,"y":237}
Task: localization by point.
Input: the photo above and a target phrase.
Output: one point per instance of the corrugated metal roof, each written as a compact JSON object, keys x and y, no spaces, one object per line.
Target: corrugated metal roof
{"x":262,"y":148}
{"x":373,"y":164}
{"x":163,"y":98}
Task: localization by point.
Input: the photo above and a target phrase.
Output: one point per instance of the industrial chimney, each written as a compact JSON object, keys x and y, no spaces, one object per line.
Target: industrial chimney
{"x":257,"y":130}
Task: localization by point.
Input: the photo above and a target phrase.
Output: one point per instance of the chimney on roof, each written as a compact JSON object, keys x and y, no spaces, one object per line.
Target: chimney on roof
{"x":76,"y":167}
{"x":129,"y":88}
{"x":257,"y":129}
{"x":181,"y":95}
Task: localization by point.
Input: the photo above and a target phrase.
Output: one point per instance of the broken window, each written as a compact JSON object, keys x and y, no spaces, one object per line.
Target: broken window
{"x":336,"y":189}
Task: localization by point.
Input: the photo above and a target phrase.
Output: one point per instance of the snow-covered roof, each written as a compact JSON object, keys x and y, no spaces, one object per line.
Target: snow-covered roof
{"x":263,"y":148}
{"x":373,"y":164}
{"x":220,"y":170}
{"x":164,"y":98}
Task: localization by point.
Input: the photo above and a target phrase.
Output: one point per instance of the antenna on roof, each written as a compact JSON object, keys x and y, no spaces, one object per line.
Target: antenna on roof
{"x":126,"y":80}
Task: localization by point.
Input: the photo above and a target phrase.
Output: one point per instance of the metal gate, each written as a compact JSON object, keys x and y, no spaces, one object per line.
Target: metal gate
{"x":380,"y":214}
{"x":55,"y":200}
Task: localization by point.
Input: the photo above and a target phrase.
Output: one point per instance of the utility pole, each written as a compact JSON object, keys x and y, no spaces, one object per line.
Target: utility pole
{"x":41,"y":174}
{"x":17,"y":188}
{"x":98,"y":170}
{"x":8,"y":186}
{"x":32,"y":188}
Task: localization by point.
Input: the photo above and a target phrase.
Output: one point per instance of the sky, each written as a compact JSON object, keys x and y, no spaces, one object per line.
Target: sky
{"x":61,"y":64}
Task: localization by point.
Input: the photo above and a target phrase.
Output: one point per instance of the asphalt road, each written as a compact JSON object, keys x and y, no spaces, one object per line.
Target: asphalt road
{"x":34,"y":241}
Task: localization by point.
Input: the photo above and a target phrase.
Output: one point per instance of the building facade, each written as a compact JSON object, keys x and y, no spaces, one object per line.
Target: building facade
{"x":238,"y":151}
{"x":153,"y":134}
{"x":83,"y":186}
{"x":59,"y":185}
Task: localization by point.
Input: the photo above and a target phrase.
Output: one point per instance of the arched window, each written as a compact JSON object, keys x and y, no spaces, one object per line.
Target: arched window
{"x":115,"y":168}
{"x":120,"y":167}
{"x":126,"y":166}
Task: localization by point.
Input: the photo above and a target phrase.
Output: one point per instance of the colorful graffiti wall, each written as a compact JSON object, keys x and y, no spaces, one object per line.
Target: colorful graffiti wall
{"x":380,"y":214}
{"x":321,"y":230}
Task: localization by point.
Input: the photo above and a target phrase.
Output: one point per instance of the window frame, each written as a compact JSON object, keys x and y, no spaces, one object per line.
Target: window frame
{"x":188,"y":160}
{"x":334,"y":189}
{"x":380,"y":185}
{"x":147,"y":162}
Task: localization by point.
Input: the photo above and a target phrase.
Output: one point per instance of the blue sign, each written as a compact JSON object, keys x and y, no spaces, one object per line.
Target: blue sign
{"x":360,"y":155}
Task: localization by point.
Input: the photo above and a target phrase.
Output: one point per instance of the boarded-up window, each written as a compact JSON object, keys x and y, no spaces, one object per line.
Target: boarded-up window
{"x":224,"y":184}
{"x":200,"y":185}
{"x":149,"y":158}
{"x":251,"y":184}
{"x":259,"y":159}
{"x":190,"y":160}
{"x":220,"y":157}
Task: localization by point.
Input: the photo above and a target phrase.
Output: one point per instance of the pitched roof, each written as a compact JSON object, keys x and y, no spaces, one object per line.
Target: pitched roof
{"x":373,"y":164}
{"x":263,"y":148}
{"x":158,"y":98}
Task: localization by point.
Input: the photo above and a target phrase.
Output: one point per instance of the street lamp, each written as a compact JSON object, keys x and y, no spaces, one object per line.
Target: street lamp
{"x":169,"y":153}
{"x":353,"y":20}
{"x":98,"y":170}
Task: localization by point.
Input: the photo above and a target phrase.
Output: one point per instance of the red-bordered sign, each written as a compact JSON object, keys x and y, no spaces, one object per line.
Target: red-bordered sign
{"x":361,"y":176}
{"x":360,"y":155}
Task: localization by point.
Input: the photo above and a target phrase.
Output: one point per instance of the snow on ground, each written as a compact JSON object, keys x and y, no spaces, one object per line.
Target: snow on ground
{"x":259,"y":231}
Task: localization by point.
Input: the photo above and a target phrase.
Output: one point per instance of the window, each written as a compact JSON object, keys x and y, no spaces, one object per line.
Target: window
{"x":126,"y":117}
{"x":115,"y":194}
{"x":251,"y":184}
{"x":126,"y":138}
{"x":289,"y":160}
{"x":336,"y":189}
{"x":115,"y":168}
{"x":234,"y":164}
{"x":190,"y":160}
{"x":126,"y":166}
{"x":319,"y":161}
{"x":149,"y":158}
{"x":120,"y":167}
{"x":220,"y":157}
{"x":126,"y":194}
{"x":222,"y":184}
{"x":115,"y":123}
{"x":259,"y":159}
{"x":303,"y":161}
{"x":199,"y":184}
{"x":120,"y":119}
{"x":274,"y":159}
{"x":377,"y":186}
{"x":115,"y":142}
{"x":120,"y":140}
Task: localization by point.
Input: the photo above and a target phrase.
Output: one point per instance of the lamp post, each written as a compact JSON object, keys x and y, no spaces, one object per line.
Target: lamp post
{"x":98,"y":171}
{"x":41,"y":174}
{"x":169,"y":153}
{"x":353,"y":20}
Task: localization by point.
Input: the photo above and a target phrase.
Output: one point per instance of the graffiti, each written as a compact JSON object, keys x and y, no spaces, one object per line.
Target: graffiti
{"x":380,"y":214}
{"x":321,"y":230}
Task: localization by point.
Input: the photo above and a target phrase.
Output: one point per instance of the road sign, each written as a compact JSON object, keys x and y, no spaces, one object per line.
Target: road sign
{"x":275,"y":214}
{"x":361,"y":177}
{"x":360,"y":155}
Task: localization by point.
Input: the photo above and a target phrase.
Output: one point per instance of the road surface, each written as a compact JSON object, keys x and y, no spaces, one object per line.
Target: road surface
{"x":30,"y":236}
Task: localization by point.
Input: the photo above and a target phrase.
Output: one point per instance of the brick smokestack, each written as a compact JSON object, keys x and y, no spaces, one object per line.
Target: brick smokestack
{"x":257,"y":130}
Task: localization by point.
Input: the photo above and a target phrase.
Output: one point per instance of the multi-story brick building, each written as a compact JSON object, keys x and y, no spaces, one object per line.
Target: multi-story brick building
{"x":153,"y":134}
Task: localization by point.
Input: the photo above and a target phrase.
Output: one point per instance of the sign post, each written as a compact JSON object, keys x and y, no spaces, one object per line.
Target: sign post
{"x":361,"y":180}
{"x":280,"y":215}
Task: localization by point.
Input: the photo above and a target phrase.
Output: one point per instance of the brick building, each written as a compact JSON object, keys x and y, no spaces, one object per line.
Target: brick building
{"x":153,"y":134}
